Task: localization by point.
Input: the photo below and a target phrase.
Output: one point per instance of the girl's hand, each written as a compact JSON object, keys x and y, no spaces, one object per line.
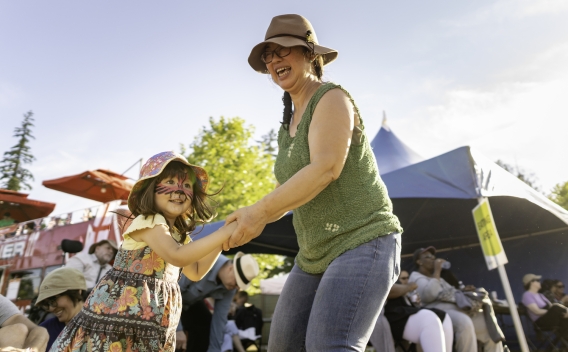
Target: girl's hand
{"x":250,"y":220}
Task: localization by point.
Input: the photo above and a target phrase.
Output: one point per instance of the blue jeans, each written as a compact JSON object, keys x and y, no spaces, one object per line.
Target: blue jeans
{"x":337,"y":310}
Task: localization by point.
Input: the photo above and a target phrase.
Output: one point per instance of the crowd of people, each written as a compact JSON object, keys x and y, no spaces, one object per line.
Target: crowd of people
{"x":165,"y":291}
{"x":431,"y":308}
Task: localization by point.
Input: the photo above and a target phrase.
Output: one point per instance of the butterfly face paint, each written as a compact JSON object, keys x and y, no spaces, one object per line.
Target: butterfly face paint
{"x":179,"y":188}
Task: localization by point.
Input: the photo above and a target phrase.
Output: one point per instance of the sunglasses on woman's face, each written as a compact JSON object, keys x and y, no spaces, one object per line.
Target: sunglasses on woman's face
{"x":535,"y":280}
{"x":560,"y":286}
{"x":403,"y":278}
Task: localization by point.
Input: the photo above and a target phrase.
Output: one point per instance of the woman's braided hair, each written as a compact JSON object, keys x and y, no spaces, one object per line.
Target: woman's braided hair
{"x":317,"y":67}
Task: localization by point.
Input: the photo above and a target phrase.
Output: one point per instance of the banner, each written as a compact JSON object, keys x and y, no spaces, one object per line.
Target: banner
{"x":488,"y":235}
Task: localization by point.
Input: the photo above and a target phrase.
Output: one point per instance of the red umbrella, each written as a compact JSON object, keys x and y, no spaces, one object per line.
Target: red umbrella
{"x":21,"y":208}
{"x":101,"y":185}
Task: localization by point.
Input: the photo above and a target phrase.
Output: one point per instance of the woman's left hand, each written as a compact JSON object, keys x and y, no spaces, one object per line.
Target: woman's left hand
{"x":250,"y":220}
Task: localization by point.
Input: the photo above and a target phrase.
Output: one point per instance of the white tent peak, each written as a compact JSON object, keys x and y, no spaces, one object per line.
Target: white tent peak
{"x":384,"y":124}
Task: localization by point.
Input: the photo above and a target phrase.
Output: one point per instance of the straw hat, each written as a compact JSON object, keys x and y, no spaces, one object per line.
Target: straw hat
{"x":95,"y":245}
{"x":59,"y":281}
{"x":156,"y":164}
{"x":246,"y":269}
{"x":287,"y":31}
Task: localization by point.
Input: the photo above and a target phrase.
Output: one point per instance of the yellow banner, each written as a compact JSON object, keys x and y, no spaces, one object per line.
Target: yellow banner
{"x":486,"y":229}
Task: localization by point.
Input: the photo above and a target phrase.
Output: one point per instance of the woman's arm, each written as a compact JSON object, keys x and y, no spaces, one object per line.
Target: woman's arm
{"x":160,"y":240}
{"x":398,"y":290}
{"x":535,"y":309}
{"x":329,"y":140}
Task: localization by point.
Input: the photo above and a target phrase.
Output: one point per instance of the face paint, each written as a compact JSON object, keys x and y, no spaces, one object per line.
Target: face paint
{"x":163,"y":188}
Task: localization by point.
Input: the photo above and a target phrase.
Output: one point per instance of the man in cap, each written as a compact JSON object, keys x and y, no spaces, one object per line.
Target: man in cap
{"x":221,"y":283}
{"x":17,"y":331}
{"x":95,"y":263}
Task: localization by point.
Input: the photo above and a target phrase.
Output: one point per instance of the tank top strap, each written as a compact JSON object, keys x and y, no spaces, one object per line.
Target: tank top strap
{"x":319,"y":94}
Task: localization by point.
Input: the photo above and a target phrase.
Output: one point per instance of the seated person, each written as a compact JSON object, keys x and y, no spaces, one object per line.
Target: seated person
{"x":435,"y":292}
{"x":557,"y":290}
{"x":240,"y":299}
{"x":18,"y":332}
{"x":429,"y":327}
{"x":231,"y":339}
{"x":546,"y":315}
{"x":248,"y":316}
{"x":61,"y":293}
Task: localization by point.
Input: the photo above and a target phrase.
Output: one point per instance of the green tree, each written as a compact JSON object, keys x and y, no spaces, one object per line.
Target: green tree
{"x":236,"y":166}
{"x":528,"y":178}
{"x":559,"y":195}
{"x":12,"y":172}
{"x":243,"y":170}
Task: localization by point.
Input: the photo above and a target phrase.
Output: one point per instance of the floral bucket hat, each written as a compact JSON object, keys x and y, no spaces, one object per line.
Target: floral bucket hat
{"x":156,"y":164}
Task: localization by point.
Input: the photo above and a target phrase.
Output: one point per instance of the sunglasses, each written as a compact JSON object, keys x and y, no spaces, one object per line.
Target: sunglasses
{"x":403,"y":278}
{"x":535,"y":280}
{"x":50,"y":302}
{"x":560,"y":286}
{"x":281,"y":52}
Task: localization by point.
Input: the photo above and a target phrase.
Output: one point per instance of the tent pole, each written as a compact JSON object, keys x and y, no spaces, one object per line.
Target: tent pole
{"x":513,"y":308}
{"x":511,"y":301}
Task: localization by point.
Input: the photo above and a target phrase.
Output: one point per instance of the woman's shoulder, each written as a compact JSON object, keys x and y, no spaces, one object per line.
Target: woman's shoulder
{"x":146,"y":222}
{"x":415,"y":275}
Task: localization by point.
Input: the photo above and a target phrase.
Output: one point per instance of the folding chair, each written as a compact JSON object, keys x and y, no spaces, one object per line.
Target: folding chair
{"x":548,"y":339}
{"x":256,"y":343}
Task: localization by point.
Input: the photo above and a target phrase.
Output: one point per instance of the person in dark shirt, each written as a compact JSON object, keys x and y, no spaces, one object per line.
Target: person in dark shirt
{"x":61,"y":293}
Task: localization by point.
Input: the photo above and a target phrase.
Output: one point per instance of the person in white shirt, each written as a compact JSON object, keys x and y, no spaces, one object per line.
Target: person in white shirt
{"x":94,"y":264}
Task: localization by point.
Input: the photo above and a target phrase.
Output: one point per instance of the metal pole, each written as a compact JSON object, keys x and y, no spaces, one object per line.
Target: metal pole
{"x":511,"y":301}
{"x":513,"y":308}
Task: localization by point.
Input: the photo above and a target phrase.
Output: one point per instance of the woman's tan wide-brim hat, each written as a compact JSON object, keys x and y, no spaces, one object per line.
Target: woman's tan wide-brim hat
{"x":290,"y":30}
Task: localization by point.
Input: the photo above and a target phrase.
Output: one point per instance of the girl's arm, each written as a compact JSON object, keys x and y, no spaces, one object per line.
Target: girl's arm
{"x":329,"y":139}
{"x":199,"y":269}
{"x":161,"y":242}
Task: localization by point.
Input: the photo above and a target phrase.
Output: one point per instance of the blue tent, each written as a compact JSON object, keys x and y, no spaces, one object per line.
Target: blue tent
{"x":391,"y":153}
{"x":434,"y":199}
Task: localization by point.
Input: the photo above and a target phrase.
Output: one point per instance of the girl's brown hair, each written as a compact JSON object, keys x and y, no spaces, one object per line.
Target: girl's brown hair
{"x":201,"y":210}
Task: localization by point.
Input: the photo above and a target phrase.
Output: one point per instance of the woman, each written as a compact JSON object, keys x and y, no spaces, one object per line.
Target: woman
{"x":429,"y":327}
{"x":545,"y":315}
{"x":435,"y":292}
{"x":348,"y":237}
{"x":61,"y":293}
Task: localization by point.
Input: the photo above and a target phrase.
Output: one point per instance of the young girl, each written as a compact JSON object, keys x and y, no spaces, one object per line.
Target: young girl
{"x":136,"y":306}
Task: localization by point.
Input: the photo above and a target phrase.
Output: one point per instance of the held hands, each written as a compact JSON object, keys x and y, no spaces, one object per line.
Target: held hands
{"x":250,"y":220}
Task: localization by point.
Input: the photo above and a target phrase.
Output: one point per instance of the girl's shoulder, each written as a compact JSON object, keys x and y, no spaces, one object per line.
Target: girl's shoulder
{"x":145,"y":222}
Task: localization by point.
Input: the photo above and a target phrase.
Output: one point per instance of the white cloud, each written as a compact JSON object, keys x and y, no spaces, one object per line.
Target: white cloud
{"x":506,"y":10}
{"x":518,"y":120}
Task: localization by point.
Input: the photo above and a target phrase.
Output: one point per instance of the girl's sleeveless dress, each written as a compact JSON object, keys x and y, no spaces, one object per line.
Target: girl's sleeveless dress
{"x":136,"y":306}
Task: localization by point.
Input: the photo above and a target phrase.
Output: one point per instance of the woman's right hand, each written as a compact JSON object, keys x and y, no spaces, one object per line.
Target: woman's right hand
{"x":438,"y":265}
{"x":250,"y":220}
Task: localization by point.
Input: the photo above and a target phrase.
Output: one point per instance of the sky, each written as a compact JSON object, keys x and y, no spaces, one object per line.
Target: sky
{"x":111,"y":82}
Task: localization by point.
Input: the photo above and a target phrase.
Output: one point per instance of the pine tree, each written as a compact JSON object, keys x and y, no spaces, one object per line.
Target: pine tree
{"x":12,"y":172}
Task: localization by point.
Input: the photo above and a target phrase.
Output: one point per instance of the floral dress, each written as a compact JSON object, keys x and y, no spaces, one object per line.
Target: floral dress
{"x":136,"y":306}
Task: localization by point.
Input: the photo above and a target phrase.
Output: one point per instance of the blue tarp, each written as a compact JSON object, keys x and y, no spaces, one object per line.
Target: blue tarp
{"x":434,"y":200}
{"x":391,"y":153}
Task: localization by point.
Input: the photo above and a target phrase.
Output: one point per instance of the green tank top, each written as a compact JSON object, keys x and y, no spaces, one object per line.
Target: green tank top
{"x":350,"y":211}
